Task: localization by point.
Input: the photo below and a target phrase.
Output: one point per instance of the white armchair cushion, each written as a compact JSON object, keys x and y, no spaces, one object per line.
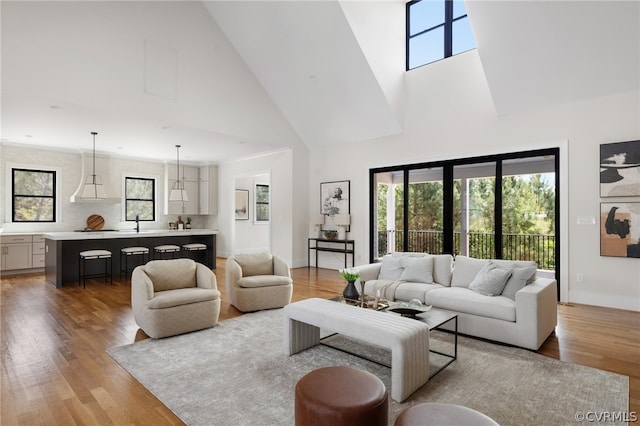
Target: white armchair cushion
{"x":181,"y":296}
{"x":255,"y":263}
{"x":256,"y":281}
{"x":177,"y":273}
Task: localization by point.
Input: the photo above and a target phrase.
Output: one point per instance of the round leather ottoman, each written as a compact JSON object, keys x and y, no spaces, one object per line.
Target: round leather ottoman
{"x":341,"y":396}
{"x":435,"y":413}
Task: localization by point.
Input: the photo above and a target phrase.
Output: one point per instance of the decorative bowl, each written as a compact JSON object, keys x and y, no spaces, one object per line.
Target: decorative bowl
{"x":330,"y":235}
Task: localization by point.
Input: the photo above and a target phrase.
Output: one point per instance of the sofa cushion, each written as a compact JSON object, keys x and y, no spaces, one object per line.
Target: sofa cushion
{"x":519,"y":278}
{"x":255,"y":263}
{"x":491,"y":280}
{"x":171,"y":274}
{"x":466,"y":301}
{"x":181,"y":296}
{"x":408,"y":291}
{"x":465,"y":270}
{"x":256,"y":281}
{"x":417,"y":269}
{"x":442,"y":268}
{"x":391,"y":268}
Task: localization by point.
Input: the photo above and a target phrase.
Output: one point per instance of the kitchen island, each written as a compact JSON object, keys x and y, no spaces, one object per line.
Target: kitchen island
{"x":62,"y":249}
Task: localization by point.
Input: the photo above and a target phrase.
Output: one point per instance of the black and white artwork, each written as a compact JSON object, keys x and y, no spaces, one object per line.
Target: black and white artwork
{"x":334,"y":199}
{"x":620,"y":169}
{"x":620,"y":229}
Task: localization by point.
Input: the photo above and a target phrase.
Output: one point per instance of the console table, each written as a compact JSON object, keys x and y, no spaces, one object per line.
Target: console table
{"x":334,"y":246}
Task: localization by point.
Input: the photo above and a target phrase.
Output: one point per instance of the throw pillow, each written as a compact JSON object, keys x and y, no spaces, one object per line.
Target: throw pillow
{"x":391,"y":268}
{"x":491,"y":280}
{"x":465,"y":269}
{"x":417,"y":269}
{"x":519,"y":278}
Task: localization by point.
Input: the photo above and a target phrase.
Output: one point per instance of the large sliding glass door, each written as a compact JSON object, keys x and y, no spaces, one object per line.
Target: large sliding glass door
{"x":500,"y":206}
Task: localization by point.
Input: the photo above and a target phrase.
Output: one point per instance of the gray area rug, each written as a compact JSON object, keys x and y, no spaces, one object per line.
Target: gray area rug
{"x":237,"y":374}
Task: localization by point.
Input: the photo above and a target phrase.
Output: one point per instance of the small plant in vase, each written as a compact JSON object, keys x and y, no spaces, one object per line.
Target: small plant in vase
{"x":188,"y":223}
{"x":351,"y":275}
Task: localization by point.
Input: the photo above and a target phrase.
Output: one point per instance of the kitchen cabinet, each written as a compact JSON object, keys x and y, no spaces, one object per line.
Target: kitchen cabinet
{"x":16,"y":252}
{"x":190,"y":178}
{"x":37,"y":252}
{"x":208,"y":190}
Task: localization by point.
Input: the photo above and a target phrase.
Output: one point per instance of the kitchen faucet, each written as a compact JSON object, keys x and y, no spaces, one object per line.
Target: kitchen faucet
{"x":137,"y":223}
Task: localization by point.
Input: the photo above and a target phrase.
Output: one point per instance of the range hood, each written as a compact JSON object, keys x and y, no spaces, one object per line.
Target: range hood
{"x":102,"y":164}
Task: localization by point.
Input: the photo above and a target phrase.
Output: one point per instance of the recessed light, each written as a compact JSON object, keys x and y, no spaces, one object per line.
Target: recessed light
{"x":29,"y":136}
{"x":55,"y":107}
{"x":165,"y":127}
{"x":313,"y":78}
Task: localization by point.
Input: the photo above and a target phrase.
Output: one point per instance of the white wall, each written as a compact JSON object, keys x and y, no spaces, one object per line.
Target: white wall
{"x":450,"y":114}
{"x":73,"y":216}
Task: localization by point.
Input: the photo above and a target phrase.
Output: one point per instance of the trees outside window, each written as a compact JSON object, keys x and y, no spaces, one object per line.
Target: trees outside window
{"x":262,"y":203}
{"x":140,"y":199}
{"x":33,"y":195}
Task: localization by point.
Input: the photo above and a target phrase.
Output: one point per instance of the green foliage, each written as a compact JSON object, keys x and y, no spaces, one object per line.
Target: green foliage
{"x":33,"y":192}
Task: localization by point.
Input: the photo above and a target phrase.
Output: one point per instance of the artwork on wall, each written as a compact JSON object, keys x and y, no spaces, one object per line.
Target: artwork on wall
{"x":620,"y":229}
{"x":620,"y":169}
{"x":242,"y":204}
{"x":334,"y":199}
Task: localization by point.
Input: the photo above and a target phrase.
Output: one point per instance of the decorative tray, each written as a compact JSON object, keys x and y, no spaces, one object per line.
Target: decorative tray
{"x":409,"y":312}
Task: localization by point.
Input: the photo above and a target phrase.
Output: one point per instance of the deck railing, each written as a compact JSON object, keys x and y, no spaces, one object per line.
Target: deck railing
{"x":539,"y":248}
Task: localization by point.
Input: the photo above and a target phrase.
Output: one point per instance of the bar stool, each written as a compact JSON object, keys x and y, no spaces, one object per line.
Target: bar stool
{"x":127,"y":252}
{"x":94,"y":255}
{"x":158,"y":251}
{"x":195,"y":247}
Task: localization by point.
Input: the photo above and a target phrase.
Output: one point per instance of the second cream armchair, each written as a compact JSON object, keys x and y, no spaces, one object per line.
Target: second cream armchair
{"x":258,"y":281}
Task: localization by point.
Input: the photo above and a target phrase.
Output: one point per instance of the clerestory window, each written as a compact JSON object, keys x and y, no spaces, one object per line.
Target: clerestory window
{"x":436,"y":29}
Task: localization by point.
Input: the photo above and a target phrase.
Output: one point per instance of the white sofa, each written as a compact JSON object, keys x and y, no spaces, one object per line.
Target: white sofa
{"x":499,"y":300}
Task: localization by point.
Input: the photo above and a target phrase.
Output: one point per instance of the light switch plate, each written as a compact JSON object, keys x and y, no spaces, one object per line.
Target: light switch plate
{"x":586,"y":220}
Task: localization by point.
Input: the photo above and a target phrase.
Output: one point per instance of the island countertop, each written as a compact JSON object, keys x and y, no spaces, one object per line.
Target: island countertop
{"x":129,"y":233}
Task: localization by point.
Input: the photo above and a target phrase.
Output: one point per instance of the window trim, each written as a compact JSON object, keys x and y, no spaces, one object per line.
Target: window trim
{"x":449,"y":20}
{"x":154,"y":179}
{"x":9,"y":197}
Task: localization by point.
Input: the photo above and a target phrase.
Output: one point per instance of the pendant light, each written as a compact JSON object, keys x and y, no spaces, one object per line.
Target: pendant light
{"x":177,"y":190}
{"x":93,"y":188}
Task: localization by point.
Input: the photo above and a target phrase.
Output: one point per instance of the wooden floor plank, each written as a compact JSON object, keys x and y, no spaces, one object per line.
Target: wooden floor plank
{"x":55,"y":369}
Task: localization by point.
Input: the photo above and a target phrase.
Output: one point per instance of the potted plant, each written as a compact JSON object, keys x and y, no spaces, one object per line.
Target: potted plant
{"x":351,"y":275}
{"x":188,"y":224}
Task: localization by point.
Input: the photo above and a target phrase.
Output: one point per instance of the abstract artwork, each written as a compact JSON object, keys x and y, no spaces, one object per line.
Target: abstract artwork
{"x":242,"y":204}
{"x":334,"y":199}
{"x":620,"y":229}
{"x":620,"y":169}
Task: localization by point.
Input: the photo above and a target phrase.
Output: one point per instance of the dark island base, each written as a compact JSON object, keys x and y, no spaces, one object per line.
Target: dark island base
{"x":62,"y":256}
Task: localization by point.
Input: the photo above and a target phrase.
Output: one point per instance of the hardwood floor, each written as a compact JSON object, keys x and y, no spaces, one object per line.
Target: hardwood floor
{"x":55,"y":370}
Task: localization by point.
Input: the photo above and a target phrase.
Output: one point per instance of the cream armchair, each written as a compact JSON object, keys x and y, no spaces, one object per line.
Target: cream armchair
{"x":170,"y":297}
{"x":258,"y":281}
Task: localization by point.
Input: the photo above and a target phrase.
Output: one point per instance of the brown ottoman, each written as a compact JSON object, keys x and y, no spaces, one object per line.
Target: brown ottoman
{"x":341,"y":396}
{"x":435,"y":413}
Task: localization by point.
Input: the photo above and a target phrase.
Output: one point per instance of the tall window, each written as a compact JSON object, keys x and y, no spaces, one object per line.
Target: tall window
{"x":436,"y":29}
{"x":502,"y":206}
{"x":262,"y":203}
{"x":33,"y":195}
{"x":140,"y":199}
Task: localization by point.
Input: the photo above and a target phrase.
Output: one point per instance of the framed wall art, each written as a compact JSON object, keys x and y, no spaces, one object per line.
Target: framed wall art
{"x":242,"y":204}
{"x":620,"y":169}
{"x":334,"y":199}
{"x":620,"y":229}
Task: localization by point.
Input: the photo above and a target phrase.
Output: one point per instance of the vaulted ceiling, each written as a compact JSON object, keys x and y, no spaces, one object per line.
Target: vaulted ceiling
{"x":228,"y":80}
